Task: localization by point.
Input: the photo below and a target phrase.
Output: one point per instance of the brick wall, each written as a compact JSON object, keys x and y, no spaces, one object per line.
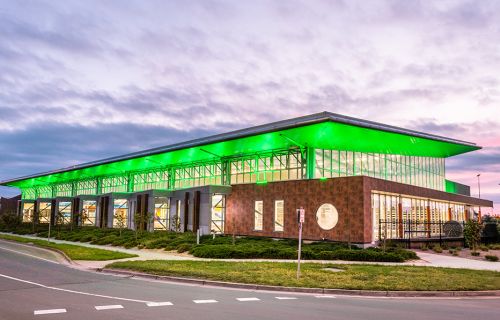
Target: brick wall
{"x":346,"y":194}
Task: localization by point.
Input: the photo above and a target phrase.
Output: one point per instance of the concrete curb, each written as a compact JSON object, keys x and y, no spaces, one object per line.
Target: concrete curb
{"x":367,"y":293}
{"x":31,"y":244}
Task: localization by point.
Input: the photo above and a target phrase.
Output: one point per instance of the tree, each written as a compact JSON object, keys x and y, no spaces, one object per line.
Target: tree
{"x":141,"y":220}
{"x":472,"y":234}
{"x":59,"y":221}
{"x":121,"y":220}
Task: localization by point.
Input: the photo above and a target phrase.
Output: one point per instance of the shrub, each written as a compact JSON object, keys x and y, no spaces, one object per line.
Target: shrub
{"x":491,"y":258}
{"x":472,"y":234}
{"x":424,"y":247}
{"x":437,"y":248}
{"x":475,"y":253}
{"x":483,"y":248}
{"x":455,"y":253}
{"x":183,"y":247}
{"x":494,"y":246}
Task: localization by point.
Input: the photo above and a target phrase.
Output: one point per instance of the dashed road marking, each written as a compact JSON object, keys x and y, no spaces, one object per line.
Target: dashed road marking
{"x":286,"y":298}
{"x":159,"y":304}
{"x":109,"y":307}
{"x":205,"y":301}
{"x":325,"y":297}
{"x":50,"y":311}
{"x":71,"y":291}
{"x":248,"y":299}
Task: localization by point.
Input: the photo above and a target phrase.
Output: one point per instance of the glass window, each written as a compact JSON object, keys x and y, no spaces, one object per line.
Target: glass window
{"x":89,"y":209}
{"x":279,"y":215}
{"x":120,"y":213}
{"x":218,"y":213}
{"x":44,"y":212}
{"x":258,"y":215}
{"x":161,"y":215}
{"x":327,"y":216}
{"x":63,"y":213}
{"x":28,"y":211}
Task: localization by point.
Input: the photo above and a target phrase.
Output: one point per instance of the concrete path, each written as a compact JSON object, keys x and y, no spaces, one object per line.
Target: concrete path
{"x":426,"y":259}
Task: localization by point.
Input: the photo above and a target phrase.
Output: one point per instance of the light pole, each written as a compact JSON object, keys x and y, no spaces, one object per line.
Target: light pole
{"x":479,"y":189}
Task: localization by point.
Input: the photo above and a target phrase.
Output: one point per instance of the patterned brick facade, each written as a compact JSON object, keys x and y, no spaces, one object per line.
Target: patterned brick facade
{"x":350,"y":195}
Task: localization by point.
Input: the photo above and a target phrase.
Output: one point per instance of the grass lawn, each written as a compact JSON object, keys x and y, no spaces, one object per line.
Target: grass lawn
{"x":75,"y":252}
{"x":354,"y":276}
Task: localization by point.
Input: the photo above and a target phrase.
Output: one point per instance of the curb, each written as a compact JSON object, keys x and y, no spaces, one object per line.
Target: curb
{"x":31,"y":244}
{"x":346,"y":292}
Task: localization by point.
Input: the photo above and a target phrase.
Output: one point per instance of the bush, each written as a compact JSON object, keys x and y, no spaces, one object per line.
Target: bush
{"x":472,"y":234}
{"x":483,"y":248}
{"x":183,"y":247}
{"x":424,"y":247}
{"x":9,"y":221}
{"x":437,"y":248}
{"x":475,"y":253}
{"x":491,"y":258}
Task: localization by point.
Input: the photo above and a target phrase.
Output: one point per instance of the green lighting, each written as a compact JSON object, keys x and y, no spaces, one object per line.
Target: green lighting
{"x":324,"y":135}
{"x":263,"y":182}
{"x":323,"y":178}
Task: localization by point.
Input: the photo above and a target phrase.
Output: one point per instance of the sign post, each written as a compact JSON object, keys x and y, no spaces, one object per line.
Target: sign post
{"x":300,"y":218}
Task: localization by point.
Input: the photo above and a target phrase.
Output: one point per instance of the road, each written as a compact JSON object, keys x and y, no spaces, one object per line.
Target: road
{"x":35,"y":284}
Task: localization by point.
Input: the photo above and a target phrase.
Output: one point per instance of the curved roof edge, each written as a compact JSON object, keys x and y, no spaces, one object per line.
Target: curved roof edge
{"x":251,"y":131}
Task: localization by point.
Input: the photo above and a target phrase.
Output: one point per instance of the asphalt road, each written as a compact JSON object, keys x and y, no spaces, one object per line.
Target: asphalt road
{"x":34,"y":283}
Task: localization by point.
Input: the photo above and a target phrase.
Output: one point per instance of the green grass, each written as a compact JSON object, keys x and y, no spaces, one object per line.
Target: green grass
{"x":354,"y":276}
{"x":74,"y":252}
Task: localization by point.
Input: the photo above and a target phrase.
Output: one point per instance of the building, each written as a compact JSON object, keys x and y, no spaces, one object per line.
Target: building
{"x":357,"y":180}
{"x":9,"y":205}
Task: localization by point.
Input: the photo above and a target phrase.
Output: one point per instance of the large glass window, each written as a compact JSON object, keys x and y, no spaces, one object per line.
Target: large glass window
{"x":89,"y":209}
{"x":151,"y":180}
{"x":28,"y":211}
{"x":419,"y":171}
{"x":44,"y":212}
{"x":258,"y":215}
{"x":279,"y":215}
{"x":120,"y":213}
{"x":218,"y":212}
{"x":64,"y":213}
{"x":161,"y":218}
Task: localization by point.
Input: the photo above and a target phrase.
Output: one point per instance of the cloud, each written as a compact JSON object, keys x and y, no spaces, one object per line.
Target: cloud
{"x":105,"y":75}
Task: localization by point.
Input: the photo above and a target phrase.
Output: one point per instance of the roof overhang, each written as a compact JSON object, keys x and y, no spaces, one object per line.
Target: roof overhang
{"x":322,"y":130}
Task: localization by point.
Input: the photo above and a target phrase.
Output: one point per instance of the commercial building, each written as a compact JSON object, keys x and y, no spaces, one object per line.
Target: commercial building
{"x":357,"y":180}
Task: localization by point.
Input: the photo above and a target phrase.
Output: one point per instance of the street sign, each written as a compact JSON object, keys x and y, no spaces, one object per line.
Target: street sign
{"x":301,"y":214}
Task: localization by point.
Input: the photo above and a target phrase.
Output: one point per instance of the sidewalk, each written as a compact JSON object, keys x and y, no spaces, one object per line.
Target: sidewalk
{"x":426,"y":259}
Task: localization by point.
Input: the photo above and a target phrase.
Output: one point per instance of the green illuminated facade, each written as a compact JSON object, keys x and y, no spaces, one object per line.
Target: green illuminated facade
{"x":319,"y":146}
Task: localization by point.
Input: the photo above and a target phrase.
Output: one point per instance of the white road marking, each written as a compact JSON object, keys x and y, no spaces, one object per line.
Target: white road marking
{"x":286,"y":298}
{"x":29,"y":255}
{"x":325,"y":297}
{"x":247,"y":299}
{"x":109,"y":307}
{"x":205,"y":301}
{"x":159,"y":304}
{"x":72,"y":291}
{"x":50,"y":311}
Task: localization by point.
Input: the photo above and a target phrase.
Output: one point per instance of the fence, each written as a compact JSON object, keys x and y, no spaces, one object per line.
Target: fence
{"x":408,"y":231}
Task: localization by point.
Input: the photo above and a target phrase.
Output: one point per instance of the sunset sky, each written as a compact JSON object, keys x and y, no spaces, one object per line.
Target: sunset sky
{"x":84,"y":80}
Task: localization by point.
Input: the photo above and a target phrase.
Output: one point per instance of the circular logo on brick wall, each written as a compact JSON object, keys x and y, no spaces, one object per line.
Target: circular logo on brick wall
{"x":327,"y":216}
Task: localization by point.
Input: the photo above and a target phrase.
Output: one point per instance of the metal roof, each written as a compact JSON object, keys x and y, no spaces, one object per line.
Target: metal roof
{"x":270,"y":127}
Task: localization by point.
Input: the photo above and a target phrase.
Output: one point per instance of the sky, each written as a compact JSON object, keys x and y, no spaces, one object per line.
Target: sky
{"x":84,"y":80}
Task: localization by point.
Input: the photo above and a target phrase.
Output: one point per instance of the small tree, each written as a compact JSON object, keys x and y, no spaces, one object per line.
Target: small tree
{"x":141,"y":220}
{"x":121,"y":221}
{"x":472,"y":234}
{"x":59,"y":221}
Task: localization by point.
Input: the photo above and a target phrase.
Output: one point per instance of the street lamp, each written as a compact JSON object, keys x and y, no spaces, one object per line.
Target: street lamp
{"x":479,"y":184}
{"x":479,"y":188}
